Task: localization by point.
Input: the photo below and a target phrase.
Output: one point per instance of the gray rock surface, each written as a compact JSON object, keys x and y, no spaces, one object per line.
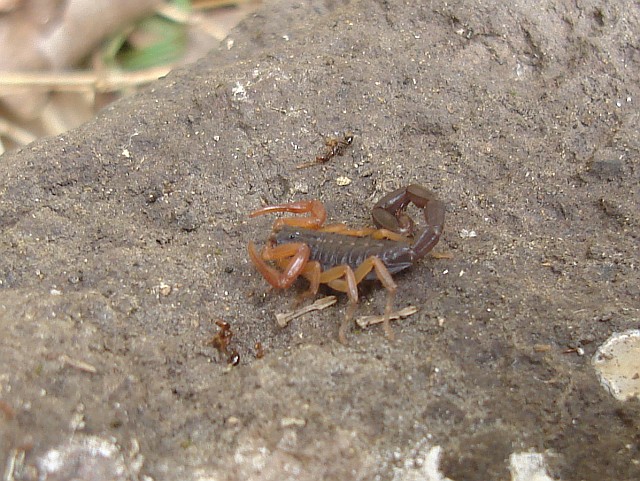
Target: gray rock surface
{"x":123,"y":241}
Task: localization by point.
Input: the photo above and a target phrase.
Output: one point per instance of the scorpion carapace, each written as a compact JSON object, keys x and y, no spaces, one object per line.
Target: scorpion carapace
{"x":342,"y":257}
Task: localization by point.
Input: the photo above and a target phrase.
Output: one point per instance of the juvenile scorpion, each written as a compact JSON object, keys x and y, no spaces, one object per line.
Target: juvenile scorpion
{"x":342,"y":257}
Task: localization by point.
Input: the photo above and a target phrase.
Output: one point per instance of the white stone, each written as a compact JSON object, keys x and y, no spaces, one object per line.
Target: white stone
{"x":617,"y":364}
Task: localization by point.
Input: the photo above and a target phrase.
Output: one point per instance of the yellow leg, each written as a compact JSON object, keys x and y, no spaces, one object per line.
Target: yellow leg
{"x":296,"y":256}
{"x":333,"y":275}
{"x":333,"y":278}
{"x":374,"y":263}
{"x":364,"y":232}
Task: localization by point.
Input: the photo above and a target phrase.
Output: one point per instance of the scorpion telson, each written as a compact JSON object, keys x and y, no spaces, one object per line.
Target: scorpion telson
{"x":342,"y":257}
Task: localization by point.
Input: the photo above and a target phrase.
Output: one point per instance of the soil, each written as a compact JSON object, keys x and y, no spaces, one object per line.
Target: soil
{"x":124,"y":241}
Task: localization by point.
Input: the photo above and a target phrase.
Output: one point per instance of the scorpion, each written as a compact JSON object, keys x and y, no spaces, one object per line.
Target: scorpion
{"x":342,"y":257}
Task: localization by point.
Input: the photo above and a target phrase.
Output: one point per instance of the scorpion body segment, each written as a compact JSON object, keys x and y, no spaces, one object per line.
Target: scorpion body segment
{"x":342,"y":257}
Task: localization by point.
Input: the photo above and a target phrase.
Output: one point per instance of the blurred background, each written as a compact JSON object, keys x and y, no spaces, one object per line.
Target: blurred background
{"x":63,"y":60}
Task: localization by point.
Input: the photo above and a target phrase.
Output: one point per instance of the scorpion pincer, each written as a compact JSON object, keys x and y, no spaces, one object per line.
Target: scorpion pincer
{"x":342,"y":257}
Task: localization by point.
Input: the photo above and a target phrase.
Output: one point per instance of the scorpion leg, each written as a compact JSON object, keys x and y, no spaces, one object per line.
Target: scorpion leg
{"x":298,"y":253}
{"x":374,"y":263}
{"x":388,"y":234}
{"x":332,"y":277}
{"x":343,"y":229}
{"x":315,"y":209}
{"x":311,"y":272}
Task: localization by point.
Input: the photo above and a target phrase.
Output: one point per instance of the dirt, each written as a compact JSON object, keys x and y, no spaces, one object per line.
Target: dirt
{"x":124,"y":241}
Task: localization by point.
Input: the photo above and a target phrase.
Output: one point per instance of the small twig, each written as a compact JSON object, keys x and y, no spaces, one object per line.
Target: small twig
{"x":15,"y":463}
{"x":108,"y":81}
{"x":366,"y":321}
{"x":173,"y":13}
{"x":77,"y":364}
{"x":212,"y":4}
{"x":285,"y":318}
